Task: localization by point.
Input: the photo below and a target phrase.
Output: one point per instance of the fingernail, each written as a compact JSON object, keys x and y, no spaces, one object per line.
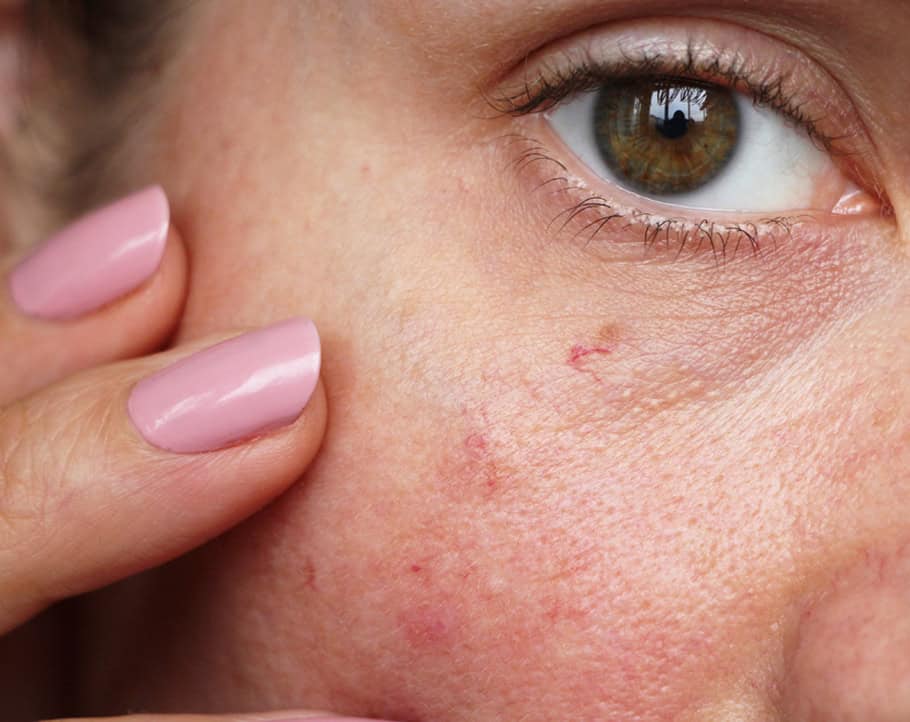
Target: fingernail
{"x":235,"y":390}
{"x":94,"y":260}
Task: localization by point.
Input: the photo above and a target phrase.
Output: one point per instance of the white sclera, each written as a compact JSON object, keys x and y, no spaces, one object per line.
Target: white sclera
{"x":774,"y":168}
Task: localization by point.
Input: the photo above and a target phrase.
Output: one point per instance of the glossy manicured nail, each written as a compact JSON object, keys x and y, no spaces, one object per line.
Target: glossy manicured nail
{"x":96,"y":259}
{"x":235,"y":390}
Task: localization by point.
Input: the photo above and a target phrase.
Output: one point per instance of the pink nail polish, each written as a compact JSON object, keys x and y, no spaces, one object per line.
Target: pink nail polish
{"x":232,"y":391}
{"x":94,"y":260}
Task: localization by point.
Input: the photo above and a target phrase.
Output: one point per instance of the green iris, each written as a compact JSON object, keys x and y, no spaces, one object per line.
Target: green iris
{"x":666,"y":136}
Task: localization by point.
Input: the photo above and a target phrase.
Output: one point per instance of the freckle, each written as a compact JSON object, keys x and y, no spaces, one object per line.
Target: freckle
{"x":609,"y":334}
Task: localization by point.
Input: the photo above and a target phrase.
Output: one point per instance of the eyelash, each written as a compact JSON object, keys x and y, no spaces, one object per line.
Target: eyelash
{"x":594,"y":214}
{"x":549,"y":88}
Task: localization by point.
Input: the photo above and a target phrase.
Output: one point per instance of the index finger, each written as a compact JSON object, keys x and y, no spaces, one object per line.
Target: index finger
{"x":109,"y":286}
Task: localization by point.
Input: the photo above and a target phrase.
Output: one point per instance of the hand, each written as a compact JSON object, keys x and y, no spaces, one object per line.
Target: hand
{"x":110,"y":467}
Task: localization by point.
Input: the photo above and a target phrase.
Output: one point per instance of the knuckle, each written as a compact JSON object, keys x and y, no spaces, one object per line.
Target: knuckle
{"x":23,"y":500}
{"x":49,"y":442}
{"x":51,"y":452}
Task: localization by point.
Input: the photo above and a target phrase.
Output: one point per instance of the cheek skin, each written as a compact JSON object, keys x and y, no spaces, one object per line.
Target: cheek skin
{"x":628,"y":579}
{"x":850,"y":660}
{"x":621,"y":582}
{"x":553,"y":487}
{"x":603,"y":516}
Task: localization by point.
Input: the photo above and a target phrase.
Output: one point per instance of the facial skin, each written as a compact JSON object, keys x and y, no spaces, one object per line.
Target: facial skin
{"x":560,"y":481}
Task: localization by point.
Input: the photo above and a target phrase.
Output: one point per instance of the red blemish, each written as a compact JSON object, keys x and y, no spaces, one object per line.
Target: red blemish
{"x":476,"y":444}
{"x":479,"y":459}
{"x":308,"y":573}
{"x":475,"y":460}
{"x":559,"y":612}
{"x":579,"y":355}
{"x":579,"y":352}
{"x":415,"y":568}
{"x":427,"y":625}
{"x":602,"y":343}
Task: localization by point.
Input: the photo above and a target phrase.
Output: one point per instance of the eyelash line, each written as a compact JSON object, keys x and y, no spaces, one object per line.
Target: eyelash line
{"x":549,"y":87}
{"x":725,"y":239}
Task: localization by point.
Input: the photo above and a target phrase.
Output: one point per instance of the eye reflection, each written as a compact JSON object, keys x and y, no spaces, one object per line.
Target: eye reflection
{"x":666,"y":137}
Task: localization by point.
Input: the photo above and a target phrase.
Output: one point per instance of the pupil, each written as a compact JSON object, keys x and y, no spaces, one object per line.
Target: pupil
{"x":674,"y":127}
{"x":666,"y":136}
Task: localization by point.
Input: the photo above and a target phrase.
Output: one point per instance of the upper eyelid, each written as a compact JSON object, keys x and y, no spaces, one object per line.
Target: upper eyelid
{"x":551,"y":91}
{"x":811,"y":87}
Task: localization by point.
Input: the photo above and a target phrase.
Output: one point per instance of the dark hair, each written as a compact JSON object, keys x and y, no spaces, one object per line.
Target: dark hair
{"x":90,"y":68}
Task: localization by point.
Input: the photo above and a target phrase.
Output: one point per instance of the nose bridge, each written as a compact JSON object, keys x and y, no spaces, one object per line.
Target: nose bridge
{"x":851,"y":661}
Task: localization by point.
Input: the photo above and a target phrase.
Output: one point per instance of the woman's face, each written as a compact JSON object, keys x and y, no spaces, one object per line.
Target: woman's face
{"x":646,"y":468}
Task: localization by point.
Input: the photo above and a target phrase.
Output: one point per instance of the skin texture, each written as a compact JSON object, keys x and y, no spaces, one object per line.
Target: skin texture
{"x":558,"y":481}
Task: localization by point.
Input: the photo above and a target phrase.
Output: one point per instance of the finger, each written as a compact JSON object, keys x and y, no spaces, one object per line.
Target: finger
{"x":109,"y":286}
{"x":124,"y":467}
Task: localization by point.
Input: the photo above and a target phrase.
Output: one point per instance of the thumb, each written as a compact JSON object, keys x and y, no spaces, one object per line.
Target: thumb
{"x":126,"y":466}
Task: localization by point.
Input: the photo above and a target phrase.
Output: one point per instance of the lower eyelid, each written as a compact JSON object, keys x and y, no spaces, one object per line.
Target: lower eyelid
{"x":616,"y":229}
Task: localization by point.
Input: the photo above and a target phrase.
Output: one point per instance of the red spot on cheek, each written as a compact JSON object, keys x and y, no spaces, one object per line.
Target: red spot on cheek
{"x":427,"y":625}
{"x":476,"y":444}
{"x":579,"y":356}
{"x":579,"y":352}
{"x":475,"y":463}
{"x":308,"y":573}
{"x":478,"y":460}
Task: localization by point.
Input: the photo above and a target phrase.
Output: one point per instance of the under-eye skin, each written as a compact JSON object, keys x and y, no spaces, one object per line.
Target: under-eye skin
{"x":699,"y":137}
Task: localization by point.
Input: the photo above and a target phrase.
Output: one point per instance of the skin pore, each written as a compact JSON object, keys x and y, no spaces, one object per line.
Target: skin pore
{"x":562,"y":478}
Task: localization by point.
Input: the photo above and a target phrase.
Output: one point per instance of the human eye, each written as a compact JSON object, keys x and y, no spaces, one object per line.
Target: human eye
{"x":697,"y":145}
{"x":703,"y":136}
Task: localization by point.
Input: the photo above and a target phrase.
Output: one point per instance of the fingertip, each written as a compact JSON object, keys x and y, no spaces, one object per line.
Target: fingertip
{"x":45,"y":286}
{"x":131,"y":504}
{"x":95,"y":260}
